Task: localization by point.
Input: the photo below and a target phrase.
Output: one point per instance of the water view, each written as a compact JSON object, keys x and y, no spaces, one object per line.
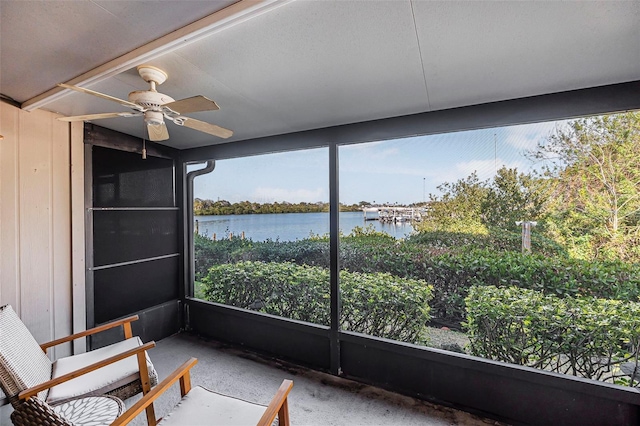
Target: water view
{"x":289,"y":226}
{"x":477,"y":265}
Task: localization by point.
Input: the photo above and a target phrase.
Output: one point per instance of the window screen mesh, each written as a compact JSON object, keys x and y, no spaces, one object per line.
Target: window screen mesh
{"x":129,"y":227}
{"x":124,"y":290}
{"x":123,"y":236}
{"x":124,"y":179}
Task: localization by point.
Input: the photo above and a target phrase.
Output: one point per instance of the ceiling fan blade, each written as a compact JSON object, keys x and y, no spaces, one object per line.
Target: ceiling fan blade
{"x":103,"y":96}
{"x":157,"y":132}
{"x":193,"y":104}
{"x":89,"y":117}
{"x":212,"y":129}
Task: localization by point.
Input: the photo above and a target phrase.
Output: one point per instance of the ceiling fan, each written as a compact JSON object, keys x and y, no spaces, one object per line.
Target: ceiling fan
{"x":155,"y":107}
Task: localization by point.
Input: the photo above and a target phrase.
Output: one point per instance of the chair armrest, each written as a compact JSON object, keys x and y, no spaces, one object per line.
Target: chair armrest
{"x":181,"y":373}
{"x":279,"y":406}
{"x":124,"y":322}
{"x":28,"y":393}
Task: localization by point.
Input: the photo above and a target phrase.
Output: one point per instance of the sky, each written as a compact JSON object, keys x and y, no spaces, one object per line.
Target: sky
{"x":399,"y":171}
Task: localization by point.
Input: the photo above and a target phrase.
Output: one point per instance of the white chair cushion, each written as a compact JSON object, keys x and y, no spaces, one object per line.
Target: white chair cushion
{"x":97,"y":382}
{"x":204,"y":407}
{"x":23,"y":364}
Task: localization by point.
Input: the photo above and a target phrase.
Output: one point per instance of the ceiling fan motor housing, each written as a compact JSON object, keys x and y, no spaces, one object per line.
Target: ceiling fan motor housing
{"x":150,"y":100}
{"x":153,"y":117}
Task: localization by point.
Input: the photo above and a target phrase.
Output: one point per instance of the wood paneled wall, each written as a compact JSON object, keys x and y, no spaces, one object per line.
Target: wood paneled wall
{"x":42,"y":222}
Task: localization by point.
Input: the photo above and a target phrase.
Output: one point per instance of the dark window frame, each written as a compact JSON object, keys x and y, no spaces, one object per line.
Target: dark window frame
{"x":486,"y":387}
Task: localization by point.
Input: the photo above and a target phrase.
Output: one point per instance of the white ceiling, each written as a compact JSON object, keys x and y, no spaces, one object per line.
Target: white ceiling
{"x":314,"y":64}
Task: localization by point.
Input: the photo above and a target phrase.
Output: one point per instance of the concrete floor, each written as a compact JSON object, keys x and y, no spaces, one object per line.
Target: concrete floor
{"x":316,"y":399}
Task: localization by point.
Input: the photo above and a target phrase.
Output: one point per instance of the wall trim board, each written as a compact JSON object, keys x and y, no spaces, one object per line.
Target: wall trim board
{"x":78,"y":234}
{"x":36,"y":222}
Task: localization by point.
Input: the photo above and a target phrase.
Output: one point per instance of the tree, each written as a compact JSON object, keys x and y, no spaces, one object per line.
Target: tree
{"x":473,"y":206}
{"x":459,"y":209}
{"x":593,"y":166}
{"x":224,"y":207}
{"x":512,"y":197}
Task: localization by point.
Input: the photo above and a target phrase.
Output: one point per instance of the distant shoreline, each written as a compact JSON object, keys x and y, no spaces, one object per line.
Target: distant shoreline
{"x":223,"y":207}
{"x":291,"y":212}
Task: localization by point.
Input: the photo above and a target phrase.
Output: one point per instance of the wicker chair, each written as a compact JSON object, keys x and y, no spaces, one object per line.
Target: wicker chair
{"x":26,"y":371}
{"x":89,"y":411}
{"x":200,"y":406}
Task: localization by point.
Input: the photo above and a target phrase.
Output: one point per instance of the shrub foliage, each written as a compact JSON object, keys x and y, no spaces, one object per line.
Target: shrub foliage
{"x":495,"y":240}
{"x":378,"y":304}
{"x":587,"y":337}
{"x":431,"y":259}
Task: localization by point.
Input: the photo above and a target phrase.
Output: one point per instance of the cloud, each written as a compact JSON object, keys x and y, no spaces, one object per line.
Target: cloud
{"x":372,"y":150}
{"x":482,"y":167}
{"x":526,"y":137}
{"x":485,"y":169}
{"x":364,"y":169}
{"x":364,"y":146}
{"x":270,"y":195}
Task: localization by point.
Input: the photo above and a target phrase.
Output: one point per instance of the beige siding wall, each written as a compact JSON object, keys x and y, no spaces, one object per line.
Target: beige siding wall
{"x":41,"y":222}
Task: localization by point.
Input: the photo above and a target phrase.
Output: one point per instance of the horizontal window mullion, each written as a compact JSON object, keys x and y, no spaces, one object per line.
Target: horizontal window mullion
{"x":133,"y":262}
{"x":133,"y":208}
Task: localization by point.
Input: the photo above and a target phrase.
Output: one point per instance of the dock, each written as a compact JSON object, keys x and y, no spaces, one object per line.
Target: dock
{"x":393,"y":214}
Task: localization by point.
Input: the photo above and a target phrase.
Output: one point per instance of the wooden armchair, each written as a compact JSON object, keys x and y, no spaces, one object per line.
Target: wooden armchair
{"x":200,"y":406}
{"x":93,"y":410}
{"x":26,"y":371}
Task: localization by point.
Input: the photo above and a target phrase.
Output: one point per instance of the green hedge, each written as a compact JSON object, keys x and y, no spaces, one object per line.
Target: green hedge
{"x":377,"y":304}
{"x":313,"y":252}
{"x":587,"y":337}
{"x":559,"y":276}
{"x":451,"y":273}
{"x":495,"y":240}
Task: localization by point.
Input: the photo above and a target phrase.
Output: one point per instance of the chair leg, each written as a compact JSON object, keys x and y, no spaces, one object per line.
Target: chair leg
{"x":185,"y":383}
{"x":146,"y":387}
{"x":283,"y":414}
